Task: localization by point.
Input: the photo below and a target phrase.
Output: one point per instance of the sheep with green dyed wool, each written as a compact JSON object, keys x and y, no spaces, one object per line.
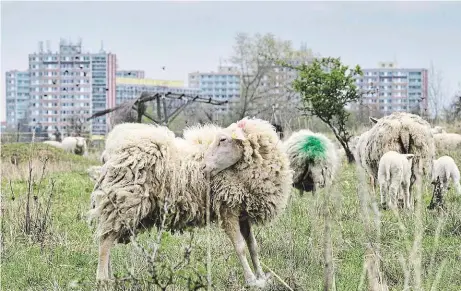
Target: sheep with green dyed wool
{"x":313,"y":158}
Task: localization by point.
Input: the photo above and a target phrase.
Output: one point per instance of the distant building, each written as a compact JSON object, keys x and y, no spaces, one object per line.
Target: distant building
{"x":389,"y":88}
{"x":221,"y":85}
{"x":17,"y":85}
{"x":139,"y":74}
{"x":70,"y":83}
{"x":132,"y":88}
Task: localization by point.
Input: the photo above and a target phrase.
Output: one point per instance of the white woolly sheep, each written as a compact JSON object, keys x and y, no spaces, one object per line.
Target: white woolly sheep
{"x":313,"y":158}
{"x":251,"y":184}
{"x":445,"y":169}
{"x":394,"y":175}
{"x":447,"y":142}
{"x":75,"y":145}
{"x":146,"y":169}
{"x":404,"y":133}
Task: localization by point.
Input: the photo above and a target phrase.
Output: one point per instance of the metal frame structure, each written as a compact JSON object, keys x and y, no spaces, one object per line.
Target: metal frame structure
{"x":160,"y":99}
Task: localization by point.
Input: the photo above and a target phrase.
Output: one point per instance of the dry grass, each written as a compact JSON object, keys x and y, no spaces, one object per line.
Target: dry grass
{"x":338,"y":237}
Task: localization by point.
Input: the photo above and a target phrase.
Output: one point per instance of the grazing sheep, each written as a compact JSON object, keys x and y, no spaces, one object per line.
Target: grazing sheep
{"x":75,"y":145}
{"x":53,"y":143}
{"x":445,"y":169}
{"x":147,"y":169}
{"x":251,"y":184}
{"x":314,"y":159}
{"x":447,"y":142}
{"x":404,"y":133}
{"x":394,"y":174}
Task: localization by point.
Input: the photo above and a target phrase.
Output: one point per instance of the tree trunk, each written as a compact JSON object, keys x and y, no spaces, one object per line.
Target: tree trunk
{"x":350,"y":155}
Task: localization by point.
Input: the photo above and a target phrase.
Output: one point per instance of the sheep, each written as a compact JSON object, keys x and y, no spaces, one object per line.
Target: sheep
{"x":394,"y":174}
{"x":404,"y":133}
{"x":314,"y":159}
{"x":447,"y":142}
{"x":75,"y":145}
{"x":251,"y":183}
{"x":444,"y":169}
{"x":147,"y":169}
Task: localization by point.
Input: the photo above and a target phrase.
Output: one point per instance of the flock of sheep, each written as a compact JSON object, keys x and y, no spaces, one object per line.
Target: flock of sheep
{"x":243,"y":175}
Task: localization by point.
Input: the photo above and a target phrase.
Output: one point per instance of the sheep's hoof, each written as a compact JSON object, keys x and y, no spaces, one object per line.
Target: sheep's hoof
{"x":259,"y":282}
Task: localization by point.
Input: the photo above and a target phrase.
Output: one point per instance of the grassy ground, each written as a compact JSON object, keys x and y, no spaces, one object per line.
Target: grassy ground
{"x":53,"y":248}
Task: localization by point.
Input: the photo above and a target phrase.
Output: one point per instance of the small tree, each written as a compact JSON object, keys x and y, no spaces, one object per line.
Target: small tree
{"x":326,"y":87}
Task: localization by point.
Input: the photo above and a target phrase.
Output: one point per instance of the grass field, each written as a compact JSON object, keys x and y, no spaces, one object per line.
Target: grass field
{"x":47,"y":243}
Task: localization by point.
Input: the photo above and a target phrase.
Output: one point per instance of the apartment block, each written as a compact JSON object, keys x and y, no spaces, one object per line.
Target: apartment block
{"x":389,"y":88}
{"x":70,"y":83}
{"x":138,"y":74}
{"x":224,"y":84}
{"x":17,"y":85}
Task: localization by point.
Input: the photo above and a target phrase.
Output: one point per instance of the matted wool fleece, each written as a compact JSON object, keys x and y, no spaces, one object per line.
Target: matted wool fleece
{"x":141,"y":175}
{"x":404,"y":133}
{"x":260,"y":183}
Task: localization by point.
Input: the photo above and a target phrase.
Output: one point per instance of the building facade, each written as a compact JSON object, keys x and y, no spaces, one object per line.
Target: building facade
{"x":17,"y":84}
{"x":70,"y":84}
{"x":224,"y":84}
{"x":138,"y":74}
{"x":388,"y":88}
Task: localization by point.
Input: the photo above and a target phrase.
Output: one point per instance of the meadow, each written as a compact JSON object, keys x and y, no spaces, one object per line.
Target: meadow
{"x":47,"y":242}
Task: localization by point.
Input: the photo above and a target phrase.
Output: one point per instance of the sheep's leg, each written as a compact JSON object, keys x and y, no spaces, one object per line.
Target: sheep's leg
{"x":245,"y":229}
{"x":457,"y":186}
{"x":393,"y":192}
{"x":382,"y":190}
{"x":232,"y":228}
{"x":104,"y":266}
{"x":407,"y":197}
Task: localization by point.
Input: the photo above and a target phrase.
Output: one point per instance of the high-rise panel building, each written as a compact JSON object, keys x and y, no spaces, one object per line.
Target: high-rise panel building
{"x":17,"y":84}
{"x":389,"y":88}
{"x":70,"y":83}
{"x":224,"y":84}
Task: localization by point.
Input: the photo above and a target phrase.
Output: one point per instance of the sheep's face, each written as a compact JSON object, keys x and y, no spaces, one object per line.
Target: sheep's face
{"x":224,"y":151}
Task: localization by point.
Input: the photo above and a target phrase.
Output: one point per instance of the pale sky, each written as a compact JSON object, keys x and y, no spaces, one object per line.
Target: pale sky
{"x":187,"y":36}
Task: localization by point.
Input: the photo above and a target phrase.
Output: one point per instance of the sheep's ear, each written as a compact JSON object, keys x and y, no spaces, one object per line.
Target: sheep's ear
{"x":238,"y":134}
{"x":409,"y":156}
{"x":374,"y":120}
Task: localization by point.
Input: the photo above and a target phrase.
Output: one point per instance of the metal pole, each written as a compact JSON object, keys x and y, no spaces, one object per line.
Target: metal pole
{"x":159,"y":112}
{"x":165,"y":110}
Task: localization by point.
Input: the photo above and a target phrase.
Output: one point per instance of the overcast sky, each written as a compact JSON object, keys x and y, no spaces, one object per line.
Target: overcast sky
{"x":187,"y":36}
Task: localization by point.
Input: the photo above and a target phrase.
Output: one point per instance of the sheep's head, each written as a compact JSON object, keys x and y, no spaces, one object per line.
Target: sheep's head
{"x":80,"y":147}
{"x":225,"y":151}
